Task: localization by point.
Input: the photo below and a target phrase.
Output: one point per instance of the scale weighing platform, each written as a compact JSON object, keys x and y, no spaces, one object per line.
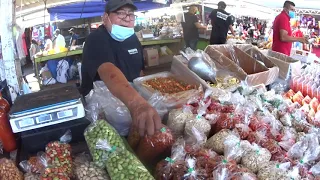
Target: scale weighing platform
{"x":45,"y":108}
{"x":45,"y":116}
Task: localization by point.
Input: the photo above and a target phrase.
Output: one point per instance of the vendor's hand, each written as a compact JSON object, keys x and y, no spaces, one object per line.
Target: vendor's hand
{"x":145,"y":118}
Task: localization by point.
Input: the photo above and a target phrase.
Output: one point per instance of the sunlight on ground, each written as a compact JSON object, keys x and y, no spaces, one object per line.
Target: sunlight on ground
{"x":33,"y":82}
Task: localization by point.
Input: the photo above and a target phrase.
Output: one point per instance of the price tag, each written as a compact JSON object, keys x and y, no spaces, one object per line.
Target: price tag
{"x":26,"y":122}
{"x":65,"y":114}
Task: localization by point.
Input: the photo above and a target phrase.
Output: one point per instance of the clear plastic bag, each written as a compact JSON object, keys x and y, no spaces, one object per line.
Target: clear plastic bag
{"x":26,"y":167}
{"x":177,"y":120}
{"x":122,"y":164}
{"x":167,"y":168}
{"x":216,"y":142}
{"x":116,"y":113}
{"x":256,"y":157}
{"x":100,"y":129}
{"x":86,"y":170}
{"x":8,"y":170}
{"x":232,"y":149}
{"x":150,"y":148}
{"x":58,"y":154}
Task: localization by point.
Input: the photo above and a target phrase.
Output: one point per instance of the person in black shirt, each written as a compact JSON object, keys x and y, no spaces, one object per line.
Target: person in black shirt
{"x":221,"y":22}
{"x":113,"y":54}
{"x":190,"y":28}
{"x":74,"y":37}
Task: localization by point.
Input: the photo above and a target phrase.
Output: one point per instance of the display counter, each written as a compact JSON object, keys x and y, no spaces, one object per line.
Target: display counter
{"x":158,"y":41}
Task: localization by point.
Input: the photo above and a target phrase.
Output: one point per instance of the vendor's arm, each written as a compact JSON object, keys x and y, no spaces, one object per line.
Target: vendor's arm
{"x":199,"y":26}
{"x":284,"y":36}
{"x":143,"y":114}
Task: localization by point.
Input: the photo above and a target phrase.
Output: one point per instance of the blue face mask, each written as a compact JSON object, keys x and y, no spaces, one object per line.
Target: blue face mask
{"x":292,"y":14}
{"x":120,"y":33}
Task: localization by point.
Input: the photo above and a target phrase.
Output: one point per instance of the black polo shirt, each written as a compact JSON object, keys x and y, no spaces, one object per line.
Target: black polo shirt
{"x":220,"y":20}
{"x":101,"y":48}
{"x":190,"y":31}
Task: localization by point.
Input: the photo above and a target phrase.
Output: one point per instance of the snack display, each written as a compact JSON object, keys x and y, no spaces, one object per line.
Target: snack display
{"x":168,"y":85}
{"x":8,"y":170}
{"x":101,"y":130}
{"x":225,"y":82}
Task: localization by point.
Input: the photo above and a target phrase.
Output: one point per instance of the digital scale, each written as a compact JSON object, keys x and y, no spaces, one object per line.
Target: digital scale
{"x":46,"y":108}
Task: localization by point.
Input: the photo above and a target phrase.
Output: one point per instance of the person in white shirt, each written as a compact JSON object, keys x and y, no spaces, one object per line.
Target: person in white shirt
{"x":48,"y":43}
{"x":59,"y":41}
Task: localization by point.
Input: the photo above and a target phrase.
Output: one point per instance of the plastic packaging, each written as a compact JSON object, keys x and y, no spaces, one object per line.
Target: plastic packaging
{"x":100,"y":129}
{"x":256,"y":157}
{"x":232,"y":149}
{"x":86,"y":170}
{"x":122,"y":164}
{"x":36,"y":164}
{"x":274,"y":170}
{"x":216,"y":142}
{"x":152,"y":147}
{"x":8,"y":170}
{"x":58,"y":154}
{"x":167,"y":168}
{"x":116,"y":113}
{"x":26,"y":167}
{"x":177,"y":120}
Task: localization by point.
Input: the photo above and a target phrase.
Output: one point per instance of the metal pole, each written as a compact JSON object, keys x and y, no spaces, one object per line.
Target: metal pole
{"x":203,"y":16}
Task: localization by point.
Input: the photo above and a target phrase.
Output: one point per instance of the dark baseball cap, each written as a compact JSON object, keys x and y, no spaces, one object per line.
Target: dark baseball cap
{"x":113,"y":5}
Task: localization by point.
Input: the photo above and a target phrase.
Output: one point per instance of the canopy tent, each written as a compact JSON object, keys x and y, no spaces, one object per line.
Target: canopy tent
{"x":91,"y":9}
{"x":304,"y":4}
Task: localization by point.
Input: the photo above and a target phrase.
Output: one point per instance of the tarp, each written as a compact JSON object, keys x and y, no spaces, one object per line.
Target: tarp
{"x":91,"y":9}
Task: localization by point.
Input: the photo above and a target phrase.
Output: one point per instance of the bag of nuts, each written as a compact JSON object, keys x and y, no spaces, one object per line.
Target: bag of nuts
{"x":27,"y":168}
{"x":122,"y":164}
{"x":58,"y":154}
{"x":255,"y":157}
{"x":100,"y":129}
{"x":216,"y":142}
{"x":8,"y":170}
{"x":87,"y":170}
{"x":177,"y":120}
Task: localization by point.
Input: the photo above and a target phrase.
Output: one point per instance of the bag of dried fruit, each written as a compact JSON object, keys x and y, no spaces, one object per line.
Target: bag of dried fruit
{"x":8,"y":170}
{"x":121,"y":163}
{"x":85,"y":169}
{"x":27,"y":168}
{"x":193,"y":172}
{"x":152,"y":148}
{"x":171,"y":167}
{"x":100,"y":129}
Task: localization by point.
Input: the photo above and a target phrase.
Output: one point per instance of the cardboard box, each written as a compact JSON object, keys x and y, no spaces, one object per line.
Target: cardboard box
{"x":260,"y":57}
{"x":241,"y":64}
{"x":151,"y":57}
{"x":288,"y":66}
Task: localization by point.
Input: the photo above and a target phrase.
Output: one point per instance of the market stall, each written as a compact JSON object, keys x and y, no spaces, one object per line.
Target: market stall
{"x":227,"y":126}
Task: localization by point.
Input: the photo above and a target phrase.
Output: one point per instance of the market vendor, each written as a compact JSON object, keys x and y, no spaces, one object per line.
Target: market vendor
{"x":221,"y":23}
{"x":113,"y":54}
{"x":282,"y":33}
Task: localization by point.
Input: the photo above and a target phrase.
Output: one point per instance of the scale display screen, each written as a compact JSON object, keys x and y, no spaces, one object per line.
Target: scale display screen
{"x":65,"y":114}
{"x":44,"y":118}
{"x":26,"y":122}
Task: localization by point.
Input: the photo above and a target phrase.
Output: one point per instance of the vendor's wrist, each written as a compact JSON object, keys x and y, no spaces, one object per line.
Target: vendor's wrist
{"x":135,"y":102}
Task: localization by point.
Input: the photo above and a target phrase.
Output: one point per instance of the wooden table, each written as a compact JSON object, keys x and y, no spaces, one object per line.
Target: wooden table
{"x":52,"y":57}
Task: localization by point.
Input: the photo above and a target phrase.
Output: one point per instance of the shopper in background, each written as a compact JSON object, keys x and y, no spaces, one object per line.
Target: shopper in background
{"x":282,"y":33}
{"x":74,"y":37}
{"x":113,"y":54}
{"x":298,"y":33}
{"x":221,"y":23}
{"x":48,"y":43}
{"x":190,"y":27}
{"x":59,"y":41}
{"x":34,"y":49}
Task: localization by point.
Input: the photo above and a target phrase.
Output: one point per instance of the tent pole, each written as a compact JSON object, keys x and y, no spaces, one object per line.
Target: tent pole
{"x":11,"y":67}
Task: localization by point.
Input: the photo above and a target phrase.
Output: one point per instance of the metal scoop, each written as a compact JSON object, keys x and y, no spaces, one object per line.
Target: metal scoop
{"x":201,"y":68}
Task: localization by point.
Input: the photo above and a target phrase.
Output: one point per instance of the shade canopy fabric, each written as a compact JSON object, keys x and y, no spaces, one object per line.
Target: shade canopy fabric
{"x":91,"y":9}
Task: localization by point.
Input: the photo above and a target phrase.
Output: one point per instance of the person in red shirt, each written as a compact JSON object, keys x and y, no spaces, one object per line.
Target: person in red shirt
{"x":282,"y":33}
{"x":298,"y":33}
